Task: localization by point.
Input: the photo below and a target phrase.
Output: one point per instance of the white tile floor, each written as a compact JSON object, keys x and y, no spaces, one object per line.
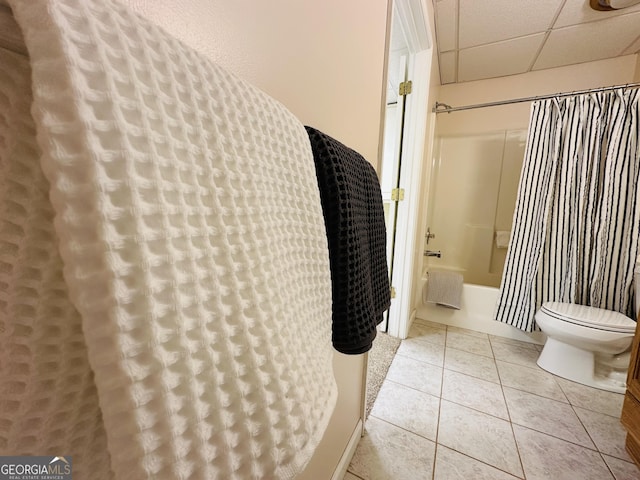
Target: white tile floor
{"x":459,"y":404}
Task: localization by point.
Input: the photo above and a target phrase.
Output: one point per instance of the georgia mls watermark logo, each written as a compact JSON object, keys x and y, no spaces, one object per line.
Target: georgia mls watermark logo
{"x":35,"y":468}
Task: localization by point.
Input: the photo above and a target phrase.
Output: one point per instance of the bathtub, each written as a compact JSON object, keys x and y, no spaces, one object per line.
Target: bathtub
{"x":476,"y":313}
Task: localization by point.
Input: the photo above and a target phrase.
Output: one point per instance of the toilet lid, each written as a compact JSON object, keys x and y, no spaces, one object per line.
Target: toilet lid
{"x":590,"y":316}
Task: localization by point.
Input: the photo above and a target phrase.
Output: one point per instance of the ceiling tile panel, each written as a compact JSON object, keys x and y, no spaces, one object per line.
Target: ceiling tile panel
{"x":574,"y":33}
{"x":589,"y":41}
{"x":484,"y":22}
{"x":579,"y":11}
{"x":446,"y":20}
{"x":498,"y":59}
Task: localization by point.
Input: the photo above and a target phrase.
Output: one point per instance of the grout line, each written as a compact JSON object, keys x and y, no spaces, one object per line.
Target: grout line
{"x":530,"y":367}
{"x":617,"y":417}
{"x":403,"y":428}
{"x":613,"y":475}
{"x":564,"y":439}
{"x":472,"y":353}
{"x":587,"y":430}
{"x":514,"y":343}
{"x":435,"y":452}
{"x":471,"y":374}
{"x":482,"y":461}
{"x":515,"y":441}
{"x":591,"y":437}
{"x":457,"y":45}
{"x":581,"y":406}
{"x":546,"y":36}
{"x":476,"y":410}
{"x":473,"y":377}
{"x":428,"y":323}
{"x":463,"y":331}
{"x":444,"y":355}
{"x":511,"y":423}
{"x":604,"y":454}
{"x":422,"y":361}
{"x":424,"y":340}
{"x":355,"y":475}
{"x":629,"y":46}
{"x":595,"y":449}
{"x":536,"y":394}
{"x":493,"y":416}
{"x":413,"y":388}
{"x":513,"y":433}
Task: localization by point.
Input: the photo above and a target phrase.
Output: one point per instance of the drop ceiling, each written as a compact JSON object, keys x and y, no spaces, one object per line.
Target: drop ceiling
{"x":478,"y":39}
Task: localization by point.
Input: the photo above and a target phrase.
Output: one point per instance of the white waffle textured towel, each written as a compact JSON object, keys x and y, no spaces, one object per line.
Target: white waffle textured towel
{"x":165,"y":294}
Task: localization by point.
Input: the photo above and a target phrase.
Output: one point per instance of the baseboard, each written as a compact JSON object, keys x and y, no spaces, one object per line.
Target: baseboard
{"x":343,"y":464}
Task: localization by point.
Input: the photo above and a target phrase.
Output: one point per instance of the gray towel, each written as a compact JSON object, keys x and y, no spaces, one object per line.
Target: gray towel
{"x":443,"y":288}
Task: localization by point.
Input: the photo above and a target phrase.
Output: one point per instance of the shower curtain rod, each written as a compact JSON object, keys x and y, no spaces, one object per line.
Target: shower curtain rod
{"x":443,"y":107}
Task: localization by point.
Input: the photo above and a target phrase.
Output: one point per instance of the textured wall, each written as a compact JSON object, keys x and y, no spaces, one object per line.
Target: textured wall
{"x":322,"y":59}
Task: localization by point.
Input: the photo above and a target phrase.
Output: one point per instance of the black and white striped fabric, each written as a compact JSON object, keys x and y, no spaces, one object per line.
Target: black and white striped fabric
{"x":576,"y":225}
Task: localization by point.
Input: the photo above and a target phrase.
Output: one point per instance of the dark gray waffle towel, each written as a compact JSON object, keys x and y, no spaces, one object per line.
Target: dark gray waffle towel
{"x":354,"y":219}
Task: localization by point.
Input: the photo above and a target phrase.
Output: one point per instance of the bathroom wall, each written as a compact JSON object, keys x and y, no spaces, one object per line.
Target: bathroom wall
{"x":324,"y":61}
{"x":637,"y":75}
{"x":515,"y":116}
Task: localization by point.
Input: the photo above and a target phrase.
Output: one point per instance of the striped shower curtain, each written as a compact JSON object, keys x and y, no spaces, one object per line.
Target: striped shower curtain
{"x":576,"y":225}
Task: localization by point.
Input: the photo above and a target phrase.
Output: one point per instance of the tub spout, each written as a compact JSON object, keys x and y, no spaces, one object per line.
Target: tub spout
{"x":431,"y":253}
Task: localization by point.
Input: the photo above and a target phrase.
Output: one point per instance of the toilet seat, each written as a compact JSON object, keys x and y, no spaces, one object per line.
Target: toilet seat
{"x":591,"y":317}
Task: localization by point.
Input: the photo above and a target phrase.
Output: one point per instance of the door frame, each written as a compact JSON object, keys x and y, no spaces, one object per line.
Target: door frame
{"x":416,"y":28}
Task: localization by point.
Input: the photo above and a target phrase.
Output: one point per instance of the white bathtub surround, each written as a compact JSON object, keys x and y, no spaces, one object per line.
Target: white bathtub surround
{"x":575,"y":231}
{"x":473,"y":193}
{"x":477,"y":306}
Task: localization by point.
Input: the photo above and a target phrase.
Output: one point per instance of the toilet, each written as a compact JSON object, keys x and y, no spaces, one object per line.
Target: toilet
{"x":588,"y":345}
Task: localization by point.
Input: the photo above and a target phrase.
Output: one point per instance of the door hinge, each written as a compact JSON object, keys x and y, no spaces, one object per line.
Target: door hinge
{"x":405,"y":88}
{"x":393,"y":292}
{"x":397,"y":194}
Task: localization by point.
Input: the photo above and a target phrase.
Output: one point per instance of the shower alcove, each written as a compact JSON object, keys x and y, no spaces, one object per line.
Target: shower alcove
{"x":474,"y":184}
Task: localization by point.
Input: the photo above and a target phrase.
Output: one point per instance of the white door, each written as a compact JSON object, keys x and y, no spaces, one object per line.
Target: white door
{"x":391,"y":162}
{"x":409,"y":22}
